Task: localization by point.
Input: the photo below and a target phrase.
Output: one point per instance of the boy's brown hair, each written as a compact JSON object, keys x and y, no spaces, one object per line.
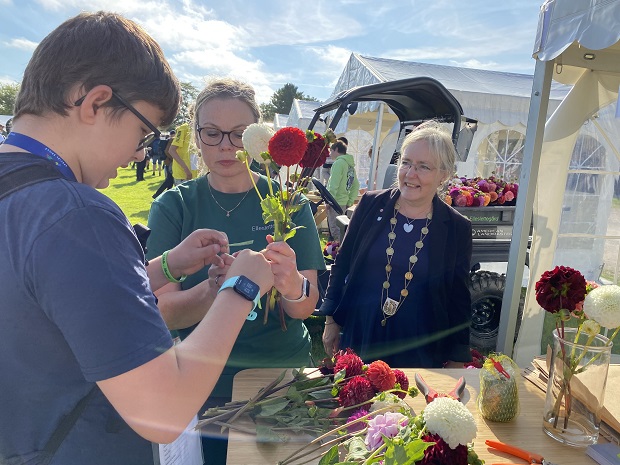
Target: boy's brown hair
{"x":92,"y":49}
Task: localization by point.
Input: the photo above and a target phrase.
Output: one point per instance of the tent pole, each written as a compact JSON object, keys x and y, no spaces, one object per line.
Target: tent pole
{"x":372,"y":175}
{"x":537,"y":116}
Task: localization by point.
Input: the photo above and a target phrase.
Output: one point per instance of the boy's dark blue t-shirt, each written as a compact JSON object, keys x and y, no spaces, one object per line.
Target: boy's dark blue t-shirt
{"x":76,"y":308}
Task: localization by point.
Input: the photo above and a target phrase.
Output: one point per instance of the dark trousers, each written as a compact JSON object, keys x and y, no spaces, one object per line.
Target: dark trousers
{"x":140,"y":166}
{"x":167,"y":184}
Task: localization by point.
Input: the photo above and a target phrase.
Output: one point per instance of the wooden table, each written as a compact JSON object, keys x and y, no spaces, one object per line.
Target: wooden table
{"x":525,"y":431}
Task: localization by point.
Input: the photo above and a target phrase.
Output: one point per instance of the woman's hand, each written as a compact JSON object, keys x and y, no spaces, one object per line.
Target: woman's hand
{"x":331,"y":336}
{"x":217,"y":273}
{"x":286,"y":278}
{"x":199,"y":249}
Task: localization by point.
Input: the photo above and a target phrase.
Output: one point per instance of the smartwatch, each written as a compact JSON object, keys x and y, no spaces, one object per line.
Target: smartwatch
{"x":305,"y":292}
{"x":246,"y":288}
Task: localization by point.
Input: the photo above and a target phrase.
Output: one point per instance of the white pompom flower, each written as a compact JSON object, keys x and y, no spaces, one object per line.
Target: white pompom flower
{"x":451,"y":420}
{"x":603,"y":306}
{"x":256,"y":140}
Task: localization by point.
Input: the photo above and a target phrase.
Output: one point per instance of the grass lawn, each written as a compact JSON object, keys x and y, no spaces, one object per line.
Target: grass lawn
{"x":132,"y":196}
{"x":135,"y":199}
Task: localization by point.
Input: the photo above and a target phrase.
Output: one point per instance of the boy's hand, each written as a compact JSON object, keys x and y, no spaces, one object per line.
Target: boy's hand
{"x":254,"y":266}
{"x":199,"y":249}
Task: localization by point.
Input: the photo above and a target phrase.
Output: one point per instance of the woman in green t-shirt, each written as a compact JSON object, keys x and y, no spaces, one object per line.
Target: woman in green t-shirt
{"x":224,"y":199}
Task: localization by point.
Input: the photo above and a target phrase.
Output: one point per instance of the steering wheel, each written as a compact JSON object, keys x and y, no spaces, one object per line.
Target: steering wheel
{"x":327,"y":197}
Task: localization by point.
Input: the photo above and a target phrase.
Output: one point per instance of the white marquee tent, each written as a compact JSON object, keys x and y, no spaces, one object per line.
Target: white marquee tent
{"x":498,"y":100}
{"x":570,"y":163}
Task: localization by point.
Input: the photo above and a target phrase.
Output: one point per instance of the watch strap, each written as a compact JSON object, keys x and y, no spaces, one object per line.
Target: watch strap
{"x":305,"y":292}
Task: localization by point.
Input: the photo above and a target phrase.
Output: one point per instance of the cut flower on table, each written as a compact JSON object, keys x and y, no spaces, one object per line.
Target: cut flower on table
{"x":286,"y":147}
{"x":356,"y":415}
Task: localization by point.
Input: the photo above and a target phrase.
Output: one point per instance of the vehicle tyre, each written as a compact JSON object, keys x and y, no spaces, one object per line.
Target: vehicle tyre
{"x":487,"y":291}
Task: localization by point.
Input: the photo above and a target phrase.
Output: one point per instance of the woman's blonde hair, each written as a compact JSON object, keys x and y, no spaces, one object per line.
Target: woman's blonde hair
{"x":439,"y":143}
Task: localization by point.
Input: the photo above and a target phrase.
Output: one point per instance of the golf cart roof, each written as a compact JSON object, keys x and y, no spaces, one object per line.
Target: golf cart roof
{"x":412,"y":100}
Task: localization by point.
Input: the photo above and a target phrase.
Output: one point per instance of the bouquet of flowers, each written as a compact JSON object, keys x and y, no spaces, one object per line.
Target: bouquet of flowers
{"x":566,"y":294}
{"x":356,"y":411}
{"x":481,"y":192}
{"x":288,"y":146}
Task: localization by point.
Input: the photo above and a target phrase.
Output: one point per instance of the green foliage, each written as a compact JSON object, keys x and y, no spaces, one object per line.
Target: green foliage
{"x":8,"y":94}
{"x":282,"y":101}
{"x":189,"y":93}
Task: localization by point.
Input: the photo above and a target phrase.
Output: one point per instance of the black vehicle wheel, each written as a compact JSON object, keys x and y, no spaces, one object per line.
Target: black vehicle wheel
{"x":487,"y":291}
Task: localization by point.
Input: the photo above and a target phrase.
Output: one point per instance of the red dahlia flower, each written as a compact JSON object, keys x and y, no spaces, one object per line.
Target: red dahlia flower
{"x":287,"y":146}
{"x":441,"y":454}
{"x":401,"y":378}
{"x":561,"y":288}
{"x":357,"y":391}
{"x":351,"y":362}
{"x":316,"y":153}
{"x":381,"y":376}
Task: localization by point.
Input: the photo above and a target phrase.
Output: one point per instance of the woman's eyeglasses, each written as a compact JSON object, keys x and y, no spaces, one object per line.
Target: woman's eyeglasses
{"x":146,"y":140}
{"x":420,"y":168}
{"x":213,"y":136}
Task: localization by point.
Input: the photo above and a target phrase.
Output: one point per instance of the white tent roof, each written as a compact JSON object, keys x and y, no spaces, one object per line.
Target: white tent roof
{"x":487,"y":96}
{"x":301,"y":113}
{"x":576,"y":43}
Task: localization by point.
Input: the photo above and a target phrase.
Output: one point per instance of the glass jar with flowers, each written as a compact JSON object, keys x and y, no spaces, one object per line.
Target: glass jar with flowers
{"x":289,"y":146}
{"x":580,"y":355}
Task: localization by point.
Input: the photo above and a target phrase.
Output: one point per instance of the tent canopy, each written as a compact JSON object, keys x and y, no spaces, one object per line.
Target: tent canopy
{"x":577,"y":44}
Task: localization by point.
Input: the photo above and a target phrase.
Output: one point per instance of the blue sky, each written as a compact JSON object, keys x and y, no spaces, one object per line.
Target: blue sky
{"x":270,"y":43}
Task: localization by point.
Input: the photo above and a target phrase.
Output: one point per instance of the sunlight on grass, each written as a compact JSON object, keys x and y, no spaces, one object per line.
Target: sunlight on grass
{"x":132,"y":196}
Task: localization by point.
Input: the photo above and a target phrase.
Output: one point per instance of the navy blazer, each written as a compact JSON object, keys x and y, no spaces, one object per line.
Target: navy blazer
{"x":450,"y":249}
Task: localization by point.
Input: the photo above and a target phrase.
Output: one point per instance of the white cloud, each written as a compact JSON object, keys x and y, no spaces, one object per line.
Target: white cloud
{"x":21,"y":44}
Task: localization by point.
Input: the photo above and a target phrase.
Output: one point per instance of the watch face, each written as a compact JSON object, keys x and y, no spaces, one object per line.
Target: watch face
{"x":246,"y":288}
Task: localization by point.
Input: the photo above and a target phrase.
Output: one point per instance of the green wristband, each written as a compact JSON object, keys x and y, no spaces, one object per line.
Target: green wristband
{"x":166,"y":270}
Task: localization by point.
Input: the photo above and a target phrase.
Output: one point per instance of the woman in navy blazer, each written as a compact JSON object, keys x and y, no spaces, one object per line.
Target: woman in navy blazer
{"x":398,"y":288}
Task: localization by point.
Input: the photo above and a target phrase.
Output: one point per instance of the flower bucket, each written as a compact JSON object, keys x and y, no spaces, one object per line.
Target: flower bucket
{"x":576,"y":387}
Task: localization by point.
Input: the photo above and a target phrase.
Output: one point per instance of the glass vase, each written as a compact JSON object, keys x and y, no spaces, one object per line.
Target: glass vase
{"x":576,"y":387}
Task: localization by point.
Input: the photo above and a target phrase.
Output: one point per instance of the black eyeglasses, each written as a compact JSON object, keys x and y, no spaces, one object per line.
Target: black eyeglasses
{"x":146,"y":140}
{"x":213,"y":136}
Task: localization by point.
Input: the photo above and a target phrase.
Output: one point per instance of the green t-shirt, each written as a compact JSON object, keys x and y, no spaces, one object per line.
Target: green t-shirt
{"x":179,"y":211}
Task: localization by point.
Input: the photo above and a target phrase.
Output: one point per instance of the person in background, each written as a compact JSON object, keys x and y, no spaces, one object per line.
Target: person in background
{"x":342,"y":184}
{"x":90,"y":374}
{"x":167,"y":164}
{"x":225,"y":199}
{"x":179,"y":151}
{"x":398,"y":290}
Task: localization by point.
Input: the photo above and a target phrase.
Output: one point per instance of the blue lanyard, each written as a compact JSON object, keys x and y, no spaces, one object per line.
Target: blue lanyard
{"x":40,"y":150}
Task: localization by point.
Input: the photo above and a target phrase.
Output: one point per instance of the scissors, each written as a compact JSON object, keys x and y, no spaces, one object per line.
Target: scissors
{"x":430,"y":394}
{"x":512,"y":450}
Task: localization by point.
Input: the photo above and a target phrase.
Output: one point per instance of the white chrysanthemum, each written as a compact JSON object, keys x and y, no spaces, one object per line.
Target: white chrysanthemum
{"x":393,"y":401}
{"x":603,"y":306}
{"x":590,"y":327}
{"x":256,"y":140}
{"x":451,"y":420}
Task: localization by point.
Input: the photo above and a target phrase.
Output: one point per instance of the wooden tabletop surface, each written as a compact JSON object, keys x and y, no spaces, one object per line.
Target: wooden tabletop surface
{"x":525,"y":431}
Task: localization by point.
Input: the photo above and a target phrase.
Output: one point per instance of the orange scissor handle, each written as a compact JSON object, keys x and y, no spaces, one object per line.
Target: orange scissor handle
{"x":529,"y":456}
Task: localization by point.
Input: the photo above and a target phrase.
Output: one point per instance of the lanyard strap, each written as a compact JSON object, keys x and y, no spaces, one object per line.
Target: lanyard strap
{"x":41,"y":150}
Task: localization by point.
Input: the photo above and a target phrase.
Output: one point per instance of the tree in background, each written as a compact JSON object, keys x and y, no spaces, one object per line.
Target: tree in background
{"x":189,"y":93}
{"x":282,"y":101}
{"x":8,"y":94}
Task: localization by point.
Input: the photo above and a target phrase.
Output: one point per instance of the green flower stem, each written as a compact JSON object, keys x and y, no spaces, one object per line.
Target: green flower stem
{"x":247,"y":165}
{"x":376,"y":452}
{"x":332,"y":432}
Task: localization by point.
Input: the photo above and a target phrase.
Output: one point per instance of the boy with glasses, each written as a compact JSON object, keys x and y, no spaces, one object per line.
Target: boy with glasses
{"x":90,"y":374}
